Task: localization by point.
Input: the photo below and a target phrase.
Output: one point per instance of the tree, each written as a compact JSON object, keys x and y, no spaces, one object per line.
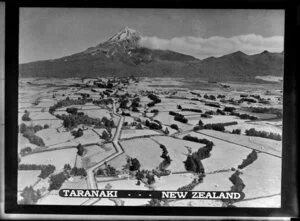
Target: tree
{"x":105,"y":135}
{"x":212,"y":97}
{"x":77,"y":133}
{"x":165,"y":155}
{"x":200,"y":123}
{"x":67,"y":167}
{"x":229,"y":109}
{"x":100,"y":172}
{"x":111,"y":171}
{"x":67,"y":122}
{"x":80,"y":149}
{"x":139,"y":175}
{"x":57,"y":180}
{"x":174,"y":126}
{"x":81,"y":172}
{"x":189,"y":163}
{"x":250,"y":159}
{"x":72,"y":110}
{"x":25,"y":150}
{"x":22,"y":128}
{"x":180,"y":118}
{"x":37,"y":128}
{"x":166,"y":131}
{"x":134,"y":164}
{"x":78,"y":171}
{"x":105,"y":121}
{"x":236,"y":131}
{"x":194,"y":164}
{"x":238,"y":184}
{"x":150,"y":178}
{"x":46,"y":171}
{"x":147,"y":123}
{"x":30,"y":196}
{"x":135,"y":103}
{"x":34,"y":139}
{"x":209,"y":112}
{"x":123,"y":104}
{"x":139,"y":126}
{"x":134,"y":109}
{"x":219,"y":111}
{"x":46,"y":126}
{"x":26,"y":117}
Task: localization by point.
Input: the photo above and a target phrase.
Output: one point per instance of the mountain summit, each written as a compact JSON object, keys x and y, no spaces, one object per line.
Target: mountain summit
{"x":126,"y":34}
{"x":121,"y":55}
{"x":122,"y":41}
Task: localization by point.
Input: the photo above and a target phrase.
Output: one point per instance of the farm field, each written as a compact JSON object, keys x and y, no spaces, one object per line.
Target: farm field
{"x":167,"y":119}
{"x":173,"y":182}
{"x":257,"y":143}
{"x":24,"y":142}
{"x":177,"y":150}
{"x":89,"y":136}
{"x":262,"y":178}
{"x":51,"y":157}
{"x":262,"y":188}
{"x":215,"y":182}
{"x":27,"y":178}
{"x":262,"y":126}
{"x":217,"y":161}
{"x":95,"y":154}
{"x":144,"y":149}
{"x":51,"y":137}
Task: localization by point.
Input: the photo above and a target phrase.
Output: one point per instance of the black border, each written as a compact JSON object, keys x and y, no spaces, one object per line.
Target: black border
{"x":289,"y":163}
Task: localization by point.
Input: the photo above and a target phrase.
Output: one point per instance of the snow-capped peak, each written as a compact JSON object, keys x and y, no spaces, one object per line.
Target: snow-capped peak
{"x":125,"y":39}
{"x":125,"y":34}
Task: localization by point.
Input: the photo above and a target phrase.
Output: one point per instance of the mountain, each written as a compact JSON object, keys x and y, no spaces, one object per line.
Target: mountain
{"x":240,"y":66}
{"x":121,"y":55}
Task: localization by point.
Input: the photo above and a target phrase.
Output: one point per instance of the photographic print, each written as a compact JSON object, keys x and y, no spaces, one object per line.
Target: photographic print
{"x":150,"y":107}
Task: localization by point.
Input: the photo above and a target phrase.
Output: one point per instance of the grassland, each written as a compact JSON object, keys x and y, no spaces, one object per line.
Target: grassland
{"x":262,"y":178}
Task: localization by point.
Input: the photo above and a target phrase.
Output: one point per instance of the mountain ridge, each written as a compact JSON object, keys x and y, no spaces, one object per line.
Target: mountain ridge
{"x":122,"y":55}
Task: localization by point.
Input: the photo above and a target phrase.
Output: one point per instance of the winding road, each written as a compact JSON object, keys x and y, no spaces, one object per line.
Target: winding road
{"x":91,"y":181}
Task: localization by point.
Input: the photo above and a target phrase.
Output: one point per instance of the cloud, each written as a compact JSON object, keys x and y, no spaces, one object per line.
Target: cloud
{"x":215,"y":46}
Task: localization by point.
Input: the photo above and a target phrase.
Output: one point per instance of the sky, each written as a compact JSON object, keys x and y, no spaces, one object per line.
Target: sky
{"x":48,"y":33}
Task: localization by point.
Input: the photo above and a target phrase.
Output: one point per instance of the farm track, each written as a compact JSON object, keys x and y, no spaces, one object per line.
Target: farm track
{"x":259,"y":197}
{"x":111,"y":180}
{"x":181,"y":133}
{"x":92,"y":183}
{"x":60,"y":148}
{"x":143,"y":136}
